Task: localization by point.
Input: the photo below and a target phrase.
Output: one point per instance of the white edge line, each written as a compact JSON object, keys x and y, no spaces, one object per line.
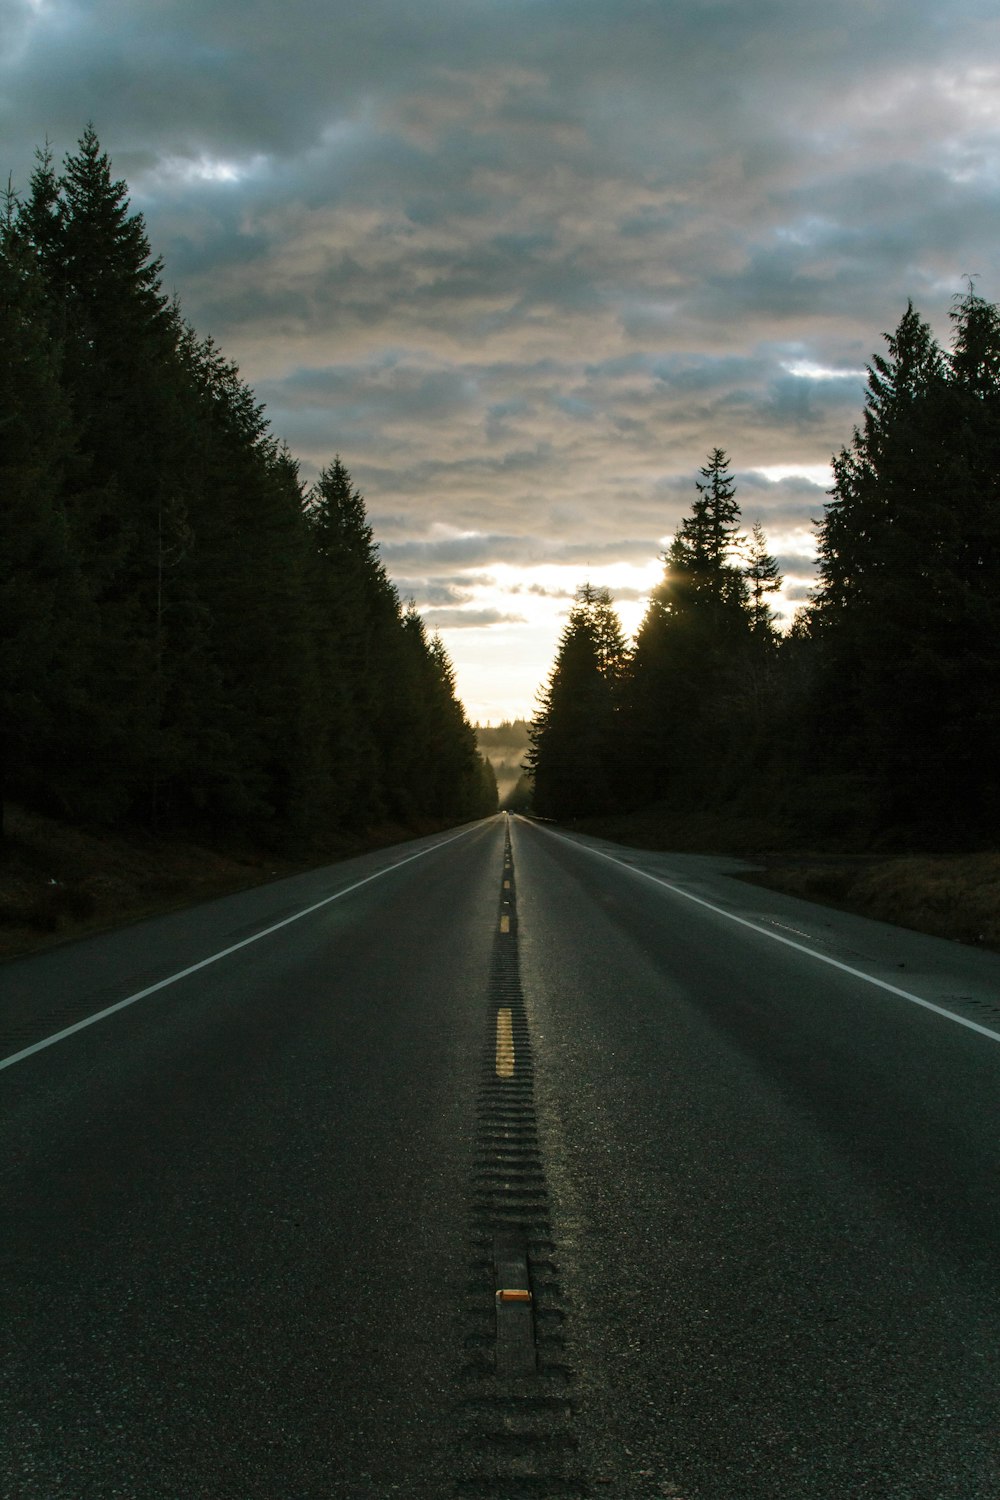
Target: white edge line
{"x":58,"y":1036}
{"x":776,"y":937}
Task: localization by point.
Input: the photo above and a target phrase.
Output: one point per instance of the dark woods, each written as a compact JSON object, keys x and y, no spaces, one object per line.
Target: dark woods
{"x":877,"y":717}
{"x":187,"y":639}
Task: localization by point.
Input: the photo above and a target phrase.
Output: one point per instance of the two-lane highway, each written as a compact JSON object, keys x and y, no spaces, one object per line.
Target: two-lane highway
{"x":750,"y":1180}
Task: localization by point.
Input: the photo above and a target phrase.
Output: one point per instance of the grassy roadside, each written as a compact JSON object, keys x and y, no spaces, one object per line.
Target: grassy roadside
{"x":953,"y":895}
{"x":59,"y":882}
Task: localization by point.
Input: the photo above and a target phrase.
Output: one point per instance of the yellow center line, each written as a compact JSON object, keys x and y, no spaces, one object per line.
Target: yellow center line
{"x":505,"y":923}
{"x":505,"y":1044}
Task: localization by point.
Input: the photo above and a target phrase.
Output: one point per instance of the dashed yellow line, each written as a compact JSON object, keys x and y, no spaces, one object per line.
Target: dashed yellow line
{"x":505,"y":923}
{"x":505,"y":1044}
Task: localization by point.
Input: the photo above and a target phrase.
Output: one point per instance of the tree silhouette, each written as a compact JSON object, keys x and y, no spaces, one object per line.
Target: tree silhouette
{"x":573,"y":732}
{"x":187,"y":640}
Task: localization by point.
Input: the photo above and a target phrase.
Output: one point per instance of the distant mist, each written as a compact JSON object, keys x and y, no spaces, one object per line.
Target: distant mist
{"x":504,"y":746}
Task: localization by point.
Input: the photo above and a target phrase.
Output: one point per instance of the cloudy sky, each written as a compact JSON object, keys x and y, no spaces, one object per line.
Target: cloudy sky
{"x":522,"y":263}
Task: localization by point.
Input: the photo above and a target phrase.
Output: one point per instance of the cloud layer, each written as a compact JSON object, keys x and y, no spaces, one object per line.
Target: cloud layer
{"x":523,"y":264}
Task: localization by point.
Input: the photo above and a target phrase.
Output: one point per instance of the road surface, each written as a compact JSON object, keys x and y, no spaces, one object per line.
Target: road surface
{"x":502,"y":1164}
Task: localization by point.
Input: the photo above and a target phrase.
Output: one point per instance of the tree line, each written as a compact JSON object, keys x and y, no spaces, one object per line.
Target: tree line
{"x":878,"y":712}
{"x":189,"y":637}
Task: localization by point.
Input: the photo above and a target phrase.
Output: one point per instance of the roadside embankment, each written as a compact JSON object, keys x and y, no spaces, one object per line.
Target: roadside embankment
{"x":953,"y":895}
{"x":59,"y":881}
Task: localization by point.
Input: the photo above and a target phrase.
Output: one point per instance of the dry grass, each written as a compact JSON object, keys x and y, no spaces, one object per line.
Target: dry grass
{"x":58,"y":881}
{"x":953,"y":896}
{"x":947,"y":895}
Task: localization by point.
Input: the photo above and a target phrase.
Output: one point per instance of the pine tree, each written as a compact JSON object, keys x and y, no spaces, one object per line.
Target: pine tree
{"x":252,"y":564}
{"x":881,"y":475}
{"x":905,"y":617}
{"x":686,"y":688}
{"x":122,"y":492}
{"x":46,"y":623}
{"x":184,"y":637}
{"x":963,"y":686}
{"x":451,"y":783}
{"x":487,"y":799}
{"x":713,"y":528}
{"x":759,"y":653}
{"x":596,"y":607}
{"x":875,"y":541}
{"x":573,"y":733}
{"x":763,"y":577}
{"x":359,"y":614}
{"x":39,"y":225}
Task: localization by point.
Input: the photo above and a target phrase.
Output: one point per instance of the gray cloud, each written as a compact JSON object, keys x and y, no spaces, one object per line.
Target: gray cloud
{"x":540,"y":591}
{"x":793,"y":565}
{"x":523,"y":265}
{"x":469,"y":619}
{"x":482,"y":549}
{"x":450,"y":592}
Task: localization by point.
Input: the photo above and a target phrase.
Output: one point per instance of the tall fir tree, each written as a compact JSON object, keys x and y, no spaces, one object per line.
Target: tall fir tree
{"x":573,"y":733}
{"x":760,"y":653}
{"x":46,"y":620}
{"x":360,"y":618}
{"x":906,"y":617}
{"x":185,"y":639}
{"x":120,"y":492}
{"x":263,"y":651}
{"x":763,"y":578}
{"x":686,"y":680}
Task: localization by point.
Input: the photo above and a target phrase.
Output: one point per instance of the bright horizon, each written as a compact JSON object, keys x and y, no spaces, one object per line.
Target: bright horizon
{"x":493,"y":667}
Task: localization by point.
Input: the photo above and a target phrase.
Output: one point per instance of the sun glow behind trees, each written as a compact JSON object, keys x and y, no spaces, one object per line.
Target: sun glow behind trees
{"x":528,"y":602}
{"x":878,"y":716}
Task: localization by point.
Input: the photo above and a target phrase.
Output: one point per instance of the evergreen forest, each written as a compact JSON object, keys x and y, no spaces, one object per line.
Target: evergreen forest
{"x":876,"y":718}
{"x":190,"y":638}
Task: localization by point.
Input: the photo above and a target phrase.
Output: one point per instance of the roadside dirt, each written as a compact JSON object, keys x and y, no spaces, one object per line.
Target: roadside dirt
{"x":58,"y":882}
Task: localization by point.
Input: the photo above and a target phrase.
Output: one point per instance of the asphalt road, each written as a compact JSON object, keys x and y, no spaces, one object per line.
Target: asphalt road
{"x":255,"y":1219}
